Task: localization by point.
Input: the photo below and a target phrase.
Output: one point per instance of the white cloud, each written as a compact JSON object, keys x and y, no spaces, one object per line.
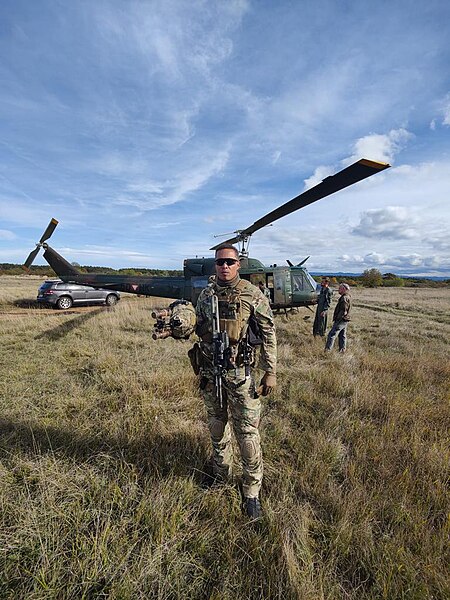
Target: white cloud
{"x":392,"y":222}
{"x":440,"y":241}
{"x":407,"y":260}
{"x":318,"y":176}
{"x":374,"y":258}
{"x":380,"y":147}
{"x":348,"y":259}
{"x":402,"y":263}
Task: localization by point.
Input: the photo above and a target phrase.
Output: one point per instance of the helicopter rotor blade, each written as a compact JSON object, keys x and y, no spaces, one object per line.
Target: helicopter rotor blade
{"x":358,"y":171}
{"x":49,"y":231}
{"x":233,"y":240}
{"x":31,"y":257}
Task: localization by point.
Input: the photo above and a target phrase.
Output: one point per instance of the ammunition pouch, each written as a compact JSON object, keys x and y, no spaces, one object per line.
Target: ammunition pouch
{"x":254,"y":334}
{"x":233,"y":327}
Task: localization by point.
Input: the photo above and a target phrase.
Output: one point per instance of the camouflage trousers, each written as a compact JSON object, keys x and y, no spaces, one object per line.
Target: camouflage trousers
{"x":240,"y":402}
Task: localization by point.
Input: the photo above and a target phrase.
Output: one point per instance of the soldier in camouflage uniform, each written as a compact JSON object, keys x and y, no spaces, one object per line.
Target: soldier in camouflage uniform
{"x":239,"y":303}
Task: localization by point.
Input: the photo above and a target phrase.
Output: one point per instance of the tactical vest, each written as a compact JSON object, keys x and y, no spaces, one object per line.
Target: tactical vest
{"x":231,"y":315}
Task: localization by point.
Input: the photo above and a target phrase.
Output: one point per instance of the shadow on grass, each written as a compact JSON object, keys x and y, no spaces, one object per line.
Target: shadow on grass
{"x":27,"y":303}
{"x":61,"y":330}
{"x":179,"y":453}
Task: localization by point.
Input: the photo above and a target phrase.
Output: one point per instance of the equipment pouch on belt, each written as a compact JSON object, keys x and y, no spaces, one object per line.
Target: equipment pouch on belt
{"x":195,"y":357}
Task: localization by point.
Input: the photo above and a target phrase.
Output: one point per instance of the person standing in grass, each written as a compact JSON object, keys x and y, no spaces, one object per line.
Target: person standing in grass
{"x":341,"y":318}
{"x":242,"y":307}
{"x":323,"y":304}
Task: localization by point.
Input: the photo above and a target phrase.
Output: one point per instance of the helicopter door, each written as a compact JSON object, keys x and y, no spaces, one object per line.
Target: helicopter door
{"x":282,"y":288}
{"x":278,"y":287}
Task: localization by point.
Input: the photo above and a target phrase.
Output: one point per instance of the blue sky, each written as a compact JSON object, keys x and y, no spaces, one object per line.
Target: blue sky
{"x":148,"y":127}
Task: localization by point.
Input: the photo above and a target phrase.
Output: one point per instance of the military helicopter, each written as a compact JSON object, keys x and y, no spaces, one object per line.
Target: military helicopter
{"x":290,"y":286}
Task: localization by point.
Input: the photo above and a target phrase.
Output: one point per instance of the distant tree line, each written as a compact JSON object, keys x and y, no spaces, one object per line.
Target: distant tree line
{"x":374,"y":278}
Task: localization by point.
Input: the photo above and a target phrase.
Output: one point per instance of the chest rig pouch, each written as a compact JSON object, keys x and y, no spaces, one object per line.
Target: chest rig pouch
{"x":231,"y":314}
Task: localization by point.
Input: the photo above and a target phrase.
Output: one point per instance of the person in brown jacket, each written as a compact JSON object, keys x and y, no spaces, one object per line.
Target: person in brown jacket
{"x":341,"y":317}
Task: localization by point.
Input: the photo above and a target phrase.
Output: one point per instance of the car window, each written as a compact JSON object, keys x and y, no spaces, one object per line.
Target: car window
{"x":76,"y":288}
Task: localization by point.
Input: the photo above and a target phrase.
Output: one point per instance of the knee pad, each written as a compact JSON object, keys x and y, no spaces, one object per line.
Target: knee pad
{"x":249,"y":450}
{"x":216,"y":428}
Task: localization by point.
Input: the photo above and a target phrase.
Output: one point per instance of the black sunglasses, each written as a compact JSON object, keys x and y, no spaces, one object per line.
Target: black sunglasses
{"x":226,"y":261}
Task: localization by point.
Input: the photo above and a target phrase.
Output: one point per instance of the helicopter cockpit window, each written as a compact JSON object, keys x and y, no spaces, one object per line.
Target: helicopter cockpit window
{"x":311,"y":280}
{"x":297,"y":282}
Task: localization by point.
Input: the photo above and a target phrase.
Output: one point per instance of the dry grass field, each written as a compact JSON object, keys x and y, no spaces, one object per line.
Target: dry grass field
{"x":103,"y":442}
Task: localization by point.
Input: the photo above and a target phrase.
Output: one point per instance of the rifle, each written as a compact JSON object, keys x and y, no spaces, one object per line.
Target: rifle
{"x":221,"y":346}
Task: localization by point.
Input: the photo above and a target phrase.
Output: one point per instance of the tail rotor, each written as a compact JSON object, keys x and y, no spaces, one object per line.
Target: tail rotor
{"x":45,"y":236}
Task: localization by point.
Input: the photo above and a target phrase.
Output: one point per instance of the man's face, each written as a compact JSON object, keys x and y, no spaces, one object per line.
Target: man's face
{"x":342,"y":289}
{"x":324,"y":283}
{"x":227,"y":272}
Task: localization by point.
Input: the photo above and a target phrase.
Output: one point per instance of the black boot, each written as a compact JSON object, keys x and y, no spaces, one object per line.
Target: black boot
{"x":210,"y":478}
{"x":252,"y":507}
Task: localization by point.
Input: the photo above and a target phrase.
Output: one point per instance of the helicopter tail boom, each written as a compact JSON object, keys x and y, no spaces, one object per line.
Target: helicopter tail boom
{"x":58,"y":263}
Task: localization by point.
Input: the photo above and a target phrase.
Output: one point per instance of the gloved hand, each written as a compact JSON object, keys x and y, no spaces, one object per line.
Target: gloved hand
{"x":267,"y":385}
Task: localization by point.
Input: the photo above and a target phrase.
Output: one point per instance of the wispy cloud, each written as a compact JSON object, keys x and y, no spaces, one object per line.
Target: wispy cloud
{"x":446,"y":110}
{"x":7,"y":235}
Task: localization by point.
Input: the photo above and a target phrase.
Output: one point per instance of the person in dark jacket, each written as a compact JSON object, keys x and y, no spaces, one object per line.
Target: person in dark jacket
{"x":341,"y":318}
{"x":323,"y":304}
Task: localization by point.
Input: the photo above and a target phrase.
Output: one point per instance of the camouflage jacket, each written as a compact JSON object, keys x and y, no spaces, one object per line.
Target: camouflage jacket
{"x":252,"y":301}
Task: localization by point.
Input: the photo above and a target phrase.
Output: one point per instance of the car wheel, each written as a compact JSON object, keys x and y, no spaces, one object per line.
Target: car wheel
{"x":64,"y":302}
{"x":111,"y":299}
